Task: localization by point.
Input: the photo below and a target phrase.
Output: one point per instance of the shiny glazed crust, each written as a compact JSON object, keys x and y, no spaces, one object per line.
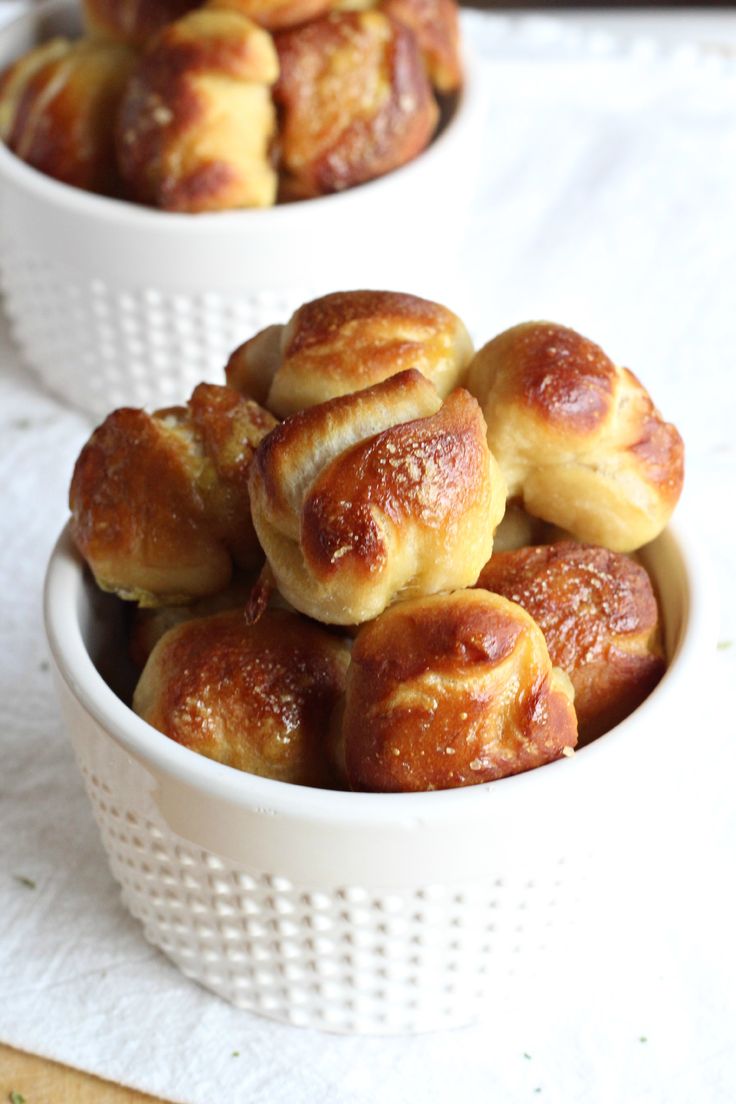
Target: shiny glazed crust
{"x":197,"y":120}
{"x":599,"y":616}
{"x":159,"y":502}
{"x":355,"y":102}
{"x":383,"y":494}
{"x":436,"y":25}
{"x":578,"y":438}
{"x":348,"y":341}
{"x":57,"y":110}
{"x":256,"y":697}
{"x":132,"y":21}
{"x":452,"y":690}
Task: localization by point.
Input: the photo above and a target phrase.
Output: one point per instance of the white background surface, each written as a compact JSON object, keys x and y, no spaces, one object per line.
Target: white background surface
{"x":606,"y":202}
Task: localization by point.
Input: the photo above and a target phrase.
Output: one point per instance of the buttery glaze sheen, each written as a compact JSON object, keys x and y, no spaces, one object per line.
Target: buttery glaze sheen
{"x":577,"y":438}
{"x":197,"y":120}
{"x":599,"y":616}
{"x":348,"y":341}
{"x":355,"y":102}
{"x":256,"y":697}
{"x":380,"y":495}
{"x":160,"y":507}
{"x":452,"y":690}
{"x":56,"y":106}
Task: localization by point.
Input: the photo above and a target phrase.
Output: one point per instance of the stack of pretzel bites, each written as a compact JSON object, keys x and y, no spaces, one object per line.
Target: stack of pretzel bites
{"x":208,"y":106}
{"x":319,"y":600}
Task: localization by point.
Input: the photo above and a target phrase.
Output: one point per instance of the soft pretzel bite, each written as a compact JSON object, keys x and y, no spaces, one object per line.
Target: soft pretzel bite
{"x":57,"y":110}
{"x":132,"y":21}
{"x":437,"y":28}
{"x":348,"y":341}
{"x":197,"y":119}
{"x":599,"y":616}
{"x":577,"y":437}
{"x":355,"y":102}
{"x":376,"y":496}
{"x":256,"y":697}
{"x":159,"y":502}
{"x":452,"y":690}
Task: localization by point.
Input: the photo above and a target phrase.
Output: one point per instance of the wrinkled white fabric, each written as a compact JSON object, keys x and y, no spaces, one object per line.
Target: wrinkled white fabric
{"x":606,"y":201}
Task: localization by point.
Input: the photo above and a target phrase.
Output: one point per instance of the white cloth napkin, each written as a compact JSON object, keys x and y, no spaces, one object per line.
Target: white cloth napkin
{"x":606,"y":202}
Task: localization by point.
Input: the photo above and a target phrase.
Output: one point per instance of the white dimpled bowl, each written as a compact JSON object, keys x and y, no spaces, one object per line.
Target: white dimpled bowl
{"x":116,"y":304}
{"x":363,"y":913}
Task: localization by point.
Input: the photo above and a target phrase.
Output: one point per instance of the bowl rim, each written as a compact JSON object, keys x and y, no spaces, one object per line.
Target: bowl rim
{"x":65,"y":580}
{"x":134,"y":216}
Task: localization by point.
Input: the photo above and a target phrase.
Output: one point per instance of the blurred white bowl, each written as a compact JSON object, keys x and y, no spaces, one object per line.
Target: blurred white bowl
{"x":382,"y":913}
{"x":117,"y":304}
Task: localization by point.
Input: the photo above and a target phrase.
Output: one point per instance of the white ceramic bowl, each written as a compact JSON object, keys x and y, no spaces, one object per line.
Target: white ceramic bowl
{"x":118,"y":304}
{"x":358,"y":912}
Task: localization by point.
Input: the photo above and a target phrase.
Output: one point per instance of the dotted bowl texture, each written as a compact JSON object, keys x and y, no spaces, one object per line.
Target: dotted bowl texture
{"x":349,"y":959}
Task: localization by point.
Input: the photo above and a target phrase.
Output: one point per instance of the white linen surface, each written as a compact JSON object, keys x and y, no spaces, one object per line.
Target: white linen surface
{"x":607,"y":201}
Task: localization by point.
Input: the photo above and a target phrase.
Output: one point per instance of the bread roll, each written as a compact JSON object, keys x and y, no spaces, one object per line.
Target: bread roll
{"x":576,"y":437}
{"x":197,"y":120}
{"x":355,"y":102}
{"x":436,"y":26}
{"x":450,"y":691}
{"x":159,"y":502}
{"x":345,"y":342}
{"x":256,"y":697}
{"x":599,"y":616}
{"x":132,"y":21}
{"x":380,"y":495}
{"x":57,"y":110}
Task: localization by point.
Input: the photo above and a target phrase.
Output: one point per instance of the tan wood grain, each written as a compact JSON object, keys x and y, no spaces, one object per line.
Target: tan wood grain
{"x":38,"y":1081}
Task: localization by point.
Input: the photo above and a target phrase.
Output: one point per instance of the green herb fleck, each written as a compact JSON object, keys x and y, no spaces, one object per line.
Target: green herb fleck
{"x":21,"y":423}
{"x":16,"y":1098}
{"x":724,"y":645}
{"x":236,"y":1054}
{"x":22,"y":880}
{"x":643,"y":1039}
{"x":44,"y":665}
{"x":527,"y":1055}
{"x":537,"y":1090}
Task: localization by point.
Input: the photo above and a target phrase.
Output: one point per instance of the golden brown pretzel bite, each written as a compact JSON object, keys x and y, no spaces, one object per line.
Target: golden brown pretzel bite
{"x":256,"y":697}
{"x":578,"y":438}
{"x":375,"y":496}
{"x":449,"y":691}
{"x":197,"y":120}
{"x":355,"y":102}
{"x":159,"y":502}
{"x":347,"y":341}
{"x":599,"y":616}
{"x":57,"y":110}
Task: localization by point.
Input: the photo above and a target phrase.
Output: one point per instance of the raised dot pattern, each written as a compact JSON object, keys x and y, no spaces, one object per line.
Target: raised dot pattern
{"x":101,"y":347}
{"x":348,"y":959}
